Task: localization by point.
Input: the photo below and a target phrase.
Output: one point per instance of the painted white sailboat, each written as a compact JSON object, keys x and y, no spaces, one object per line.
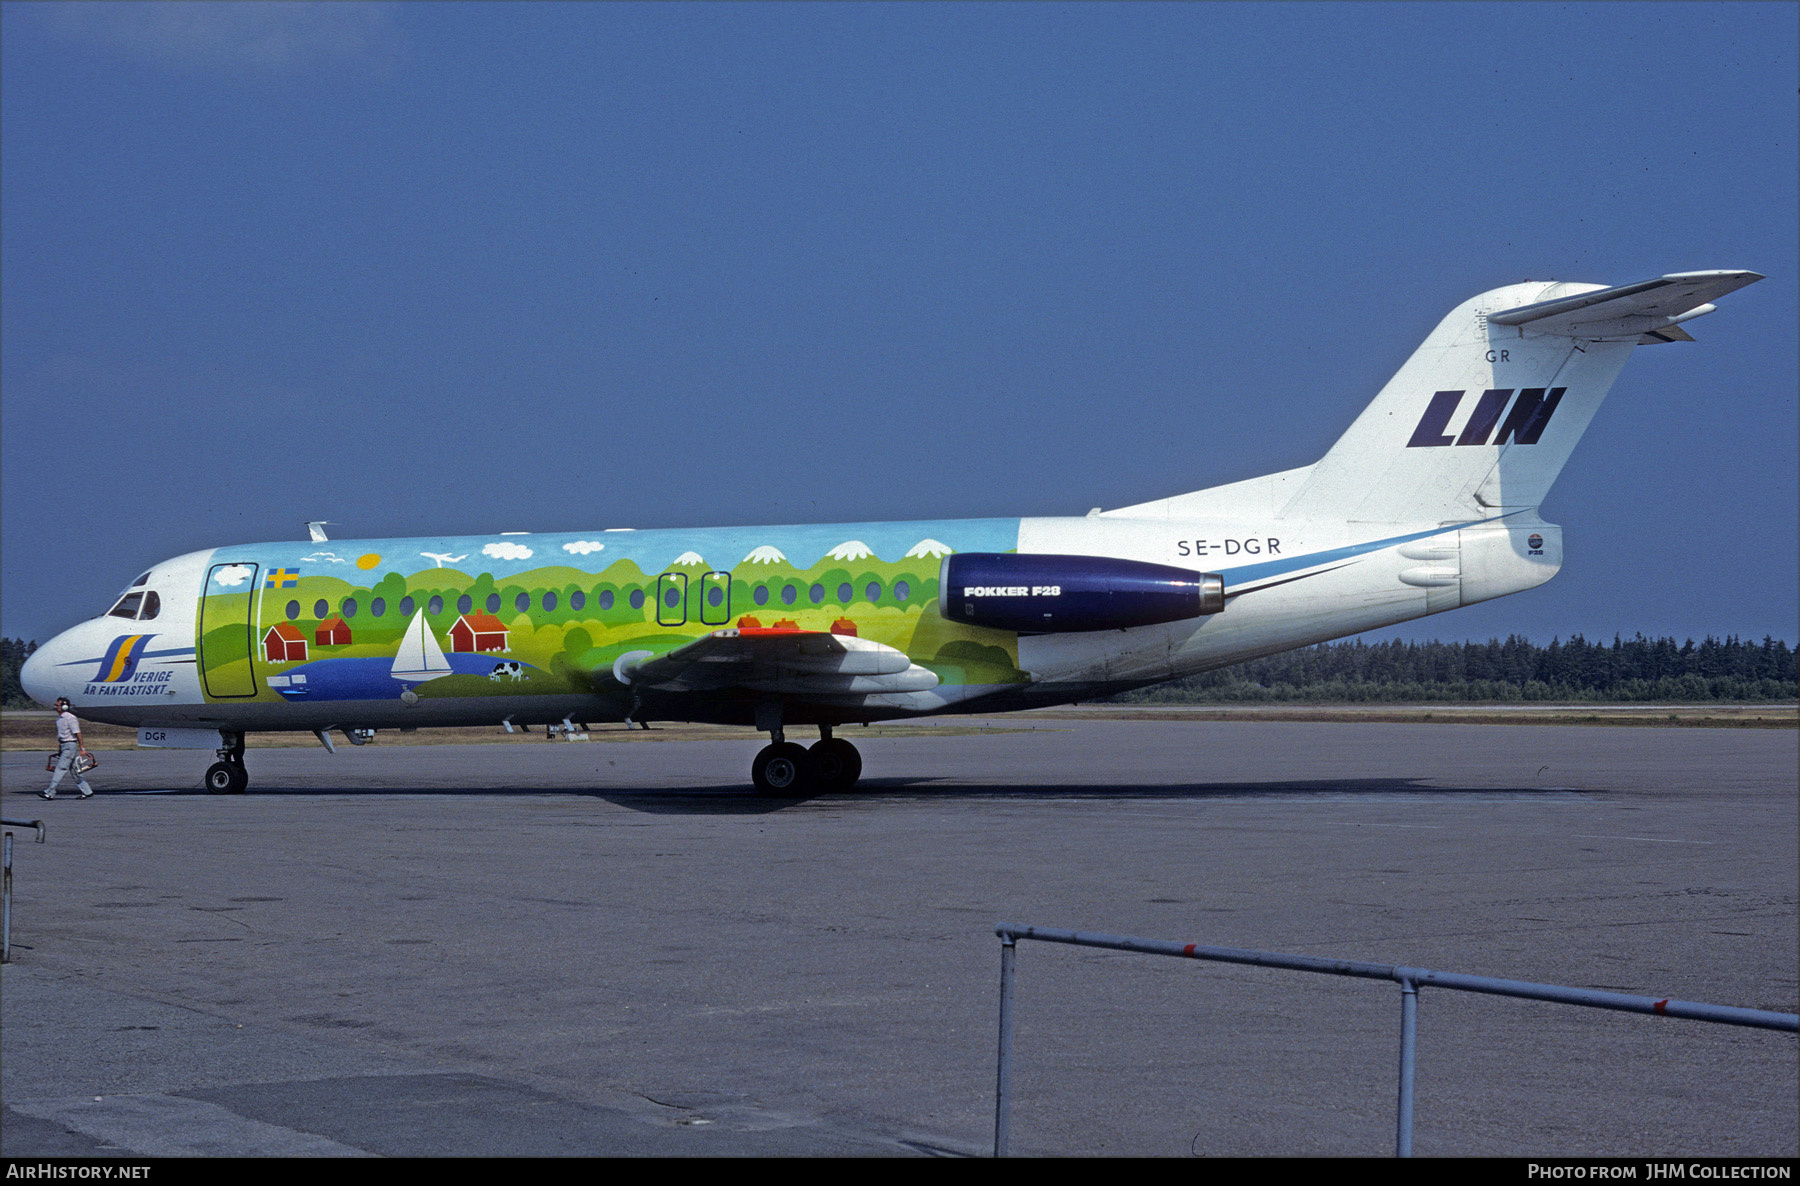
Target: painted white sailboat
{"x":420,"y":658}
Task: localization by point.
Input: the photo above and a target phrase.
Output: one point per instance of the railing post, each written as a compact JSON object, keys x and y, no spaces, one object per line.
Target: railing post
{"x":1003,"y":1075}
{"x":6,"y":882}
{"x":6,"y":894}
{"x":1409,"y":1030}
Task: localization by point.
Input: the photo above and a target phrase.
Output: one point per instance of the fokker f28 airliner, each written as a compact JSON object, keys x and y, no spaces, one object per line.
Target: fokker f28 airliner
{"x":1428,"y":502}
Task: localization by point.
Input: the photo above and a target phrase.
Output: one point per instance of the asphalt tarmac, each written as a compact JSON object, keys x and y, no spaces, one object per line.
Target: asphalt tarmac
{"x":606,"y":949}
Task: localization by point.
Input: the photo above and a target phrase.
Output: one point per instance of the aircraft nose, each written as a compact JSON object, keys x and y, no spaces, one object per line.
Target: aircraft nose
{"x":39,"y":676}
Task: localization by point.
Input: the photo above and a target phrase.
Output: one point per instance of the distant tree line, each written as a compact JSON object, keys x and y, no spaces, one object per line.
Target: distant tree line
{"x":1636,"y":669}
{"x":13,"y":653}
{"x":1627,"y":670}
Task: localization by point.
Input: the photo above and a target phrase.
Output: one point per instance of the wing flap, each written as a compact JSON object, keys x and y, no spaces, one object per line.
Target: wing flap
{"x":1630,"y":311}
{"x":788,"y":662}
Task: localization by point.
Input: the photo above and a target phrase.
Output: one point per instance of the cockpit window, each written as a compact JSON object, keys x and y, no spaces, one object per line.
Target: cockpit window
{"x":141,"y":580}
{"x":138,"y":606}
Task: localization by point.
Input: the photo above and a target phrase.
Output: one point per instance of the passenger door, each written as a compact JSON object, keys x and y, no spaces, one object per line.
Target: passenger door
{"x":226,"y":631}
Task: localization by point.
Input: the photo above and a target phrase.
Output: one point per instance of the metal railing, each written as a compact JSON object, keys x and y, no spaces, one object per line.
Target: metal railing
{"x":1409,"y":979}
{"x":6,"y":881}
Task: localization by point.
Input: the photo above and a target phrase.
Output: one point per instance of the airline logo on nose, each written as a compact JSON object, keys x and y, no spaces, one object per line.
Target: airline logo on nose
{"x":1524,"y":424}
{"x":121,"y":659}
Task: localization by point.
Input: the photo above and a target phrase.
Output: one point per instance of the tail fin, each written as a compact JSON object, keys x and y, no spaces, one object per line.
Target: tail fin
{"x":1482,"y":417}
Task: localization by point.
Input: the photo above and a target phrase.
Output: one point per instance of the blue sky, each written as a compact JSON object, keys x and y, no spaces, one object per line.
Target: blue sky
{"x":433,"y":268}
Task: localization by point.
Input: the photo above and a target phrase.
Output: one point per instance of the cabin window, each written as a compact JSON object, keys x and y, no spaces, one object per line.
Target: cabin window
{"x":152,"y":606}
{"x":435,"y":606}
{"x":464,"y":604}
{"x":637,"y":599}
{"x":127,"y":607}
{"x":406,"y":607}
{"x":817,"y":593}
{"x":378,"y":607}
{"x":790,"y":594}
{"x":715,"y":596}
{"x":349,"y":607}
{"x":522,"y":602}
{"x":873,"y":592}
{"x":493,"y":603}
{"x":902,"y":590}
{"x":672,"y":598}
{"x":293,"y":610}
{"x":605,"y":599}
{"x":760,"y":595}
{"x":321,"y":609}
{"x":577,"y":599}
{"x":845,"y":593}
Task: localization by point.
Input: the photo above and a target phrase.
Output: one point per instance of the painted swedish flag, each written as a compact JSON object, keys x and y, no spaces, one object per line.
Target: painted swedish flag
{"x":282,"y":578}
{"x":121,"y":658}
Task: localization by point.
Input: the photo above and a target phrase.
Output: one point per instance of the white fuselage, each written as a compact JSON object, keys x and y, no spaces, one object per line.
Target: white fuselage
{"x":1287,"y":583}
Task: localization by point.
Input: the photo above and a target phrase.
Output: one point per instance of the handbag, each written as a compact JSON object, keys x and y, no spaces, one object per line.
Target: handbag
{"x":85,"y":763}
{"x":50,"y":766}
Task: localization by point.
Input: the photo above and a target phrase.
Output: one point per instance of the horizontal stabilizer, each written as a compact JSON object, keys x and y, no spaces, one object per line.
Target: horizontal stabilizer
{"x":1648,"y":311}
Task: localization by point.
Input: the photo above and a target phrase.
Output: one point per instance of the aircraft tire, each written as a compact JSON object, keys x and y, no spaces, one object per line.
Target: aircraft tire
{"x":226,"y":778}
{"x":784,"y":768}
{"x":837,"y":763}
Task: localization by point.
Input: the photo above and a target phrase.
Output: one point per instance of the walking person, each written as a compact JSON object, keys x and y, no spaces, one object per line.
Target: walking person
{"x":68,"y":745}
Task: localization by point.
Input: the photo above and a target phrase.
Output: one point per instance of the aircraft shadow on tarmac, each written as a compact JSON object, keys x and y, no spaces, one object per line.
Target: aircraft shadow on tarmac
{"x":738,"y":799}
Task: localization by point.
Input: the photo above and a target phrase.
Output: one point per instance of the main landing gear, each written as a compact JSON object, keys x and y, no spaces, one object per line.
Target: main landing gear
{"x":789,"y":768}
{"x":227,"y":776}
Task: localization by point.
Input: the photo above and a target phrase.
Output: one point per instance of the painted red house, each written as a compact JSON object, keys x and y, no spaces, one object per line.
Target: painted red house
{"x":332,"y":632}
{"x":478,"y":632}
{"x":844,"y":626}
{"x":283,"y":643}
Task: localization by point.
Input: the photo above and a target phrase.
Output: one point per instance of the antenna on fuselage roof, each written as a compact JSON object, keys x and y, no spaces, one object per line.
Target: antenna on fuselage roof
{"x":315,"y":530}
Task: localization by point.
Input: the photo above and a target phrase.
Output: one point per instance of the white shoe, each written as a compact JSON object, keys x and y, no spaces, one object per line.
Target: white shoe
{"x":46,"y":794}
{"x":87,"y":794}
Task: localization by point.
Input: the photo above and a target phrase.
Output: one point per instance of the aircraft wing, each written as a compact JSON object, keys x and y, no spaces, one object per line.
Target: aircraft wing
{"x":1649,"y":311}
{"x":776,"y":660}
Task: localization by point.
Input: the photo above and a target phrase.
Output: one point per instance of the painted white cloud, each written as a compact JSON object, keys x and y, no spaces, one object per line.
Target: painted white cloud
{"x":929,"y":547}
{"x":689,"y":559}
{"x":850,"y":549}
{"x":581,"y":547}
{"x":237,"y":574}
{"x":765,"y":555}
{"x":507,"y":551}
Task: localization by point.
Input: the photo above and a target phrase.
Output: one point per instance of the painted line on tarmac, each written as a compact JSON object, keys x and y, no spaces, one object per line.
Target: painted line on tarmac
{"x":168,"y":1126}
{"x":1647,"y":839}
{"x":1345,"y":824}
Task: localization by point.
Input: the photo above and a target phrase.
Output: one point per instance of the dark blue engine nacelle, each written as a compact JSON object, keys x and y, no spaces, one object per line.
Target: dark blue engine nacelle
{"x":1036,"y":594}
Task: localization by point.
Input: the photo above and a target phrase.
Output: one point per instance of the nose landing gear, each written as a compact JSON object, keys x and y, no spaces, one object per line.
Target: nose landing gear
{"x":227,"y":776}
{"x":786,"y":768}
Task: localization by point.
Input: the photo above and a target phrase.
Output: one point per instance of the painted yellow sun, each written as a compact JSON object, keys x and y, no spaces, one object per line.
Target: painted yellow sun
{"x":369,"y":561}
